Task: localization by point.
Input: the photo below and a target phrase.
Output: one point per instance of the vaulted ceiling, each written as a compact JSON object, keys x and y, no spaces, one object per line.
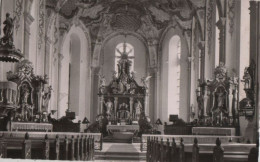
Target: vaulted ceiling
{"x":148,"y":17}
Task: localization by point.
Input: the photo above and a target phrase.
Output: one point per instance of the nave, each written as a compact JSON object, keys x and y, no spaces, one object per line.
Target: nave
{"x":148,"y":80}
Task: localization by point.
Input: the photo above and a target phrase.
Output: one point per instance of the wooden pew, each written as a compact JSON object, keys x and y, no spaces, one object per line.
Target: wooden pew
{"x":64,"y":145}
{"x":164,"y":151}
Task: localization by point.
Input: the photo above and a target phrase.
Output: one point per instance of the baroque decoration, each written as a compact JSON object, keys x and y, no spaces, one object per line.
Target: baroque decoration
{"x":217,"y":99}
{"x":8,"y":52}
{"x":33,"y":94}
{"x":123,"y":100}
{"x":247,"y":105}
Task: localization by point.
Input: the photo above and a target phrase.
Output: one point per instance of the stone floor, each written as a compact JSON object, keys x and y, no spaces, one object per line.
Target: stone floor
{"x":129,"y":152}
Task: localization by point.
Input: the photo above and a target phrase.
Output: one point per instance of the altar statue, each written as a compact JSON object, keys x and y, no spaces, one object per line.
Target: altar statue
{"x":46,"y":98}
{"x":247,"y":79}
{"x":8,"y":28}
{"x":123,"y":111}
{"x":25,"y":92}
{"x":138,"y":110}
{"x":109,"y":106}
{"x":200,"y":102}
{"x":220,"y":106}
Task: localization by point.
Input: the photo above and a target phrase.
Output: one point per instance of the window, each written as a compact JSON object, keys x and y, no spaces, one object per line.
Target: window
{"x":124,"y":48}
{"x":174,"y":71}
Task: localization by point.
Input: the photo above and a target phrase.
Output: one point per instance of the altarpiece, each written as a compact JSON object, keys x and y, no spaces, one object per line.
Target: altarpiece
{"x":217,"y":100}
{"x":123,"y":100}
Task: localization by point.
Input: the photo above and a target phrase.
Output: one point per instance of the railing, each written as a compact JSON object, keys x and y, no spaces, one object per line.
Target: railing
{"x":172,"y":151}
{"x":50,"y":145}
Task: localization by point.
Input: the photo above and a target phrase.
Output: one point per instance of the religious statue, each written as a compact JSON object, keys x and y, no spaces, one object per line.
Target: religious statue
{"x":138,"y":109}
{"x":247,"y":79}
{"x":8,"y":30}
{"x":46,"y":98}
{"x":102,"y":81}
{"x":109,"y":106}
{"x":220,"y":106}
{"x":200,"y":102}
{"x":25,"y":92}
{"x":220,"y":71}
{"x":145,"y":81}
{"x":102,"y":84}
{"x":123,"y":111}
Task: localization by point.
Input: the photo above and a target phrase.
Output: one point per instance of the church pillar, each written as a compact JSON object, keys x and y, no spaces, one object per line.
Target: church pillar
{"x":115,"y":106}
{"x":28,"y":21}
{"x":60,"y":57}
{"x":152,"y":113}
{"x":95,"y":84}
{"x":47,"y":56}
{"x":131,"y":102}
{"x":100,"y":109}
{"x":210,"y":21}
{"x":251,"y":130}
{"x":221,"y":24}
{"x":201,"y":46}
{"x":232,"y":39}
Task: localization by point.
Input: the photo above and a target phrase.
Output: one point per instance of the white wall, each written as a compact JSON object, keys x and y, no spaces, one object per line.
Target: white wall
{"x":80,"y":80}
{"x":184,"y":97}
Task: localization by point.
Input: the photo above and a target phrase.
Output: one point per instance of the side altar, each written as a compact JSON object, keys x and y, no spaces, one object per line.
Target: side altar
{"x":217,"y":102}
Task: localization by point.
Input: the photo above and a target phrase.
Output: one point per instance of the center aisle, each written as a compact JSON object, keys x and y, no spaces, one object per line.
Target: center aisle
{"x":120,"y":152}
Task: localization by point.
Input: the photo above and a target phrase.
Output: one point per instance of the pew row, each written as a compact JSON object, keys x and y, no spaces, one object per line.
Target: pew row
{"x":166,"y":151}
{"x":188,"y":139}
{"x":49,"y":145}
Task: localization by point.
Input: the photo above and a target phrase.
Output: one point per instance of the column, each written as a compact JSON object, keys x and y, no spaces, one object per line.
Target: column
{"x":115,"y":106}
{"x":201,"y":46}
{"x":152,"y":94}
{"x":221,"y":24}
{"x":232,"y":37}
{"x":28,"y":21}
{"x":101,"y":105}
{"x":95,"y":99}
{"x":131,"y":105}
{"x":47,"y":56}
{"x":60,"y":57}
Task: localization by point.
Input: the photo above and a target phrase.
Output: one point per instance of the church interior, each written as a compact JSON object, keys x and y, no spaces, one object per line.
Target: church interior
{"x":140,"y":80}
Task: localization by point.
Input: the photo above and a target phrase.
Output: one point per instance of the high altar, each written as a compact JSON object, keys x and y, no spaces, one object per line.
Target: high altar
{"x":123,"y":100}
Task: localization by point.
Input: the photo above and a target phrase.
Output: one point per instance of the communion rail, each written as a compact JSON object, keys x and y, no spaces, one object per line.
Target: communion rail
{"x":173,"y":151}
{"x":49,"y":145}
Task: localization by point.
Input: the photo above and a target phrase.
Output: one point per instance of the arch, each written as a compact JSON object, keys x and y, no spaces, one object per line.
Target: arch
{"x":74,"y":75}
{"x":172,"y":35}
{"x":108,"y":56}
{"x":174,"y":75}
{"x":113,"y":35}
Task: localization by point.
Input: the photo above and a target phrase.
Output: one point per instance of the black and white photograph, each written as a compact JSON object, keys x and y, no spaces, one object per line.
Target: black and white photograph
{"x":129,"y":80}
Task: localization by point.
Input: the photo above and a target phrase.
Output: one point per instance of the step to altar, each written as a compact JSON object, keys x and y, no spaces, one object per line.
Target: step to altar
{"x":120,"y":151}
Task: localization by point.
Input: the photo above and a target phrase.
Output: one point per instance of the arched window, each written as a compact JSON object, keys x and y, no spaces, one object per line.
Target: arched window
{"x":124,"y":48}
{"x":174,"y":58}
